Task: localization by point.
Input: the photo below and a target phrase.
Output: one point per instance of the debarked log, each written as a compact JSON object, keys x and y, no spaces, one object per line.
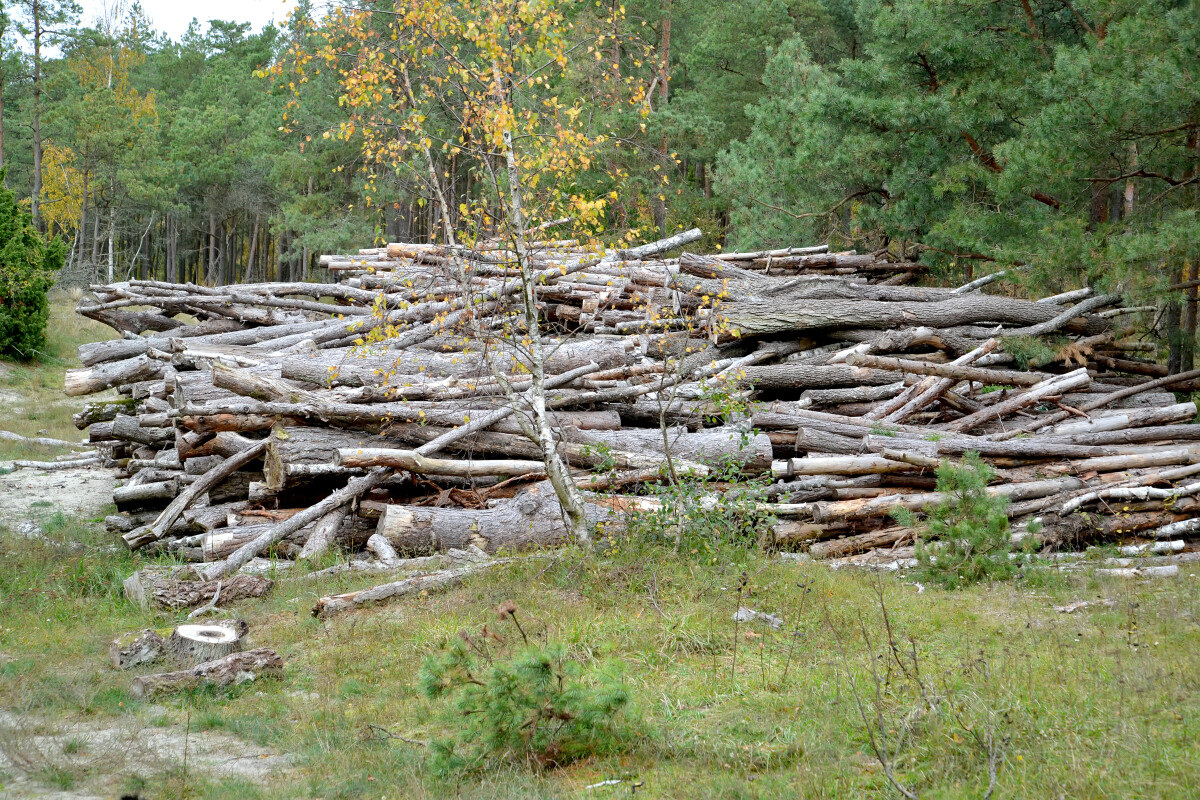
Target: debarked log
{"x":89,"y":380}
{"x":444,"y":579}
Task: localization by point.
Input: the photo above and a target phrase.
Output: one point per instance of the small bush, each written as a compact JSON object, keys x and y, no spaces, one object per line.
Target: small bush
{"x":28,"y":266}
{"x":524,"y":703}
{"x":966,"y":538}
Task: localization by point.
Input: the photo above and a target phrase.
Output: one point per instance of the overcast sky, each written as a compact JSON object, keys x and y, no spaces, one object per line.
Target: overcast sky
{"x":173,"y":16}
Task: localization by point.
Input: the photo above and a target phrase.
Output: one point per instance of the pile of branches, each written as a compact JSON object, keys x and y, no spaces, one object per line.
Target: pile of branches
{"x":390,"y":414}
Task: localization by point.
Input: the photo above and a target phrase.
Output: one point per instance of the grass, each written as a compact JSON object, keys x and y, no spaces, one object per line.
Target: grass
{"x":1104,"y":702}
{"x":32,"y":390}
{"x":1094,"y":704}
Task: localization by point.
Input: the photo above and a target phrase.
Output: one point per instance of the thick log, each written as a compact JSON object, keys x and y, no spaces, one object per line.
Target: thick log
{"x":760,"y":318}
{"x":396,"y":368}
{"x":532,"y":519}
{"x":89,"y":380}
{"x":127,"y":497}
{"x":289,"y":447}
{"x":129,"y":429}
{"x":712,"y":447}
{"x":808,"y":376}
{"x":148,"y":587}
{"x":231,"y":670}
{"x":860,"y":543}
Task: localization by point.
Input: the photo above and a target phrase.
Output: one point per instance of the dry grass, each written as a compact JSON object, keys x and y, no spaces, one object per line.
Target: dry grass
{"x":31,"y":392}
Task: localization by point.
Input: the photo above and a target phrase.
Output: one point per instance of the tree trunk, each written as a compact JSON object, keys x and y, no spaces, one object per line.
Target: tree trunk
{"x":35,"y":14}
{"x":253,"y":246}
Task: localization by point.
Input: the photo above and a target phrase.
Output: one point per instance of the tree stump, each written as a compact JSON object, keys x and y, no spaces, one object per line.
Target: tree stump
{"x":196,"y":644}
{"x":132,"y":649}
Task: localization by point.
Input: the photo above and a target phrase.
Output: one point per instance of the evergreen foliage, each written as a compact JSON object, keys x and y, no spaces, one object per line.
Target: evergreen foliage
{"x":28,"y":266}
{"x":966,"y":538}
{"x":517,"y":701}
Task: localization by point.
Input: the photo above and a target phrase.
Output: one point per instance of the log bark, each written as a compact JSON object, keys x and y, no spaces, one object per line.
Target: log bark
{"x":532,"y":519}
{"x":760,"y":318}
{"x":147,"y":587}
{"x":231,"y":670}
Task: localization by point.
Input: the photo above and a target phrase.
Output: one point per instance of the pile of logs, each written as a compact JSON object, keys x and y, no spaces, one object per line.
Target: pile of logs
{"x":385,"y":414}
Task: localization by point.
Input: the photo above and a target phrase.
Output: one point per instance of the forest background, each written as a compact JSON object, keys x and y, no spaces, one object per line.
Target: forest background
{"x":1060,"y":137}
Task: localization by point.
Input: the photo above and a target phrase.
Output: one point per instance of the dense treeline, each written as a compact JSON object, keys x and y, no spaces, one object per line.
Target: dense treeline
{"x":1059,"y":136}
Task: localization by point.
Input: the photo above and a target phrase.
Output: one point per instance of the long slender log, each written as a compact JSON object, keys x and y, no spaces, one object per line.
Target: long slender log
{"x":413,"y":461}
{"x":434,"y":581}
{"x":353,"y":490}
{"x":1055,"y":385}
{"x":994,"y":377}
{"x":1139,"y":418}
{"x":760,"y":318}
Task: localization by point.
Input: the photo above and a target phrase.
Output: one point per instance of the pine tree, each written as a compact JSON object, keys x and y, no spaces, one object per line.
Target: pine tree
{"x":28,"y":265}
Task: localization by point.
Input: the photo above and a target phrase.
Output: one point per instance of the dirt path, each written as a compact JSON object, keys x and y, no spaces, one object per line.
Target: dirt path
{"x":88,"y":760}
{"x":32,"y":494}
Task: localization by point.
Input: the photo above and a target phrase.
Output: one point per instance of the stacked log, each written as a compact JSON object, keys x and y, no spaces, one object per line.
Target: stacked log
{"x":383,"y":413}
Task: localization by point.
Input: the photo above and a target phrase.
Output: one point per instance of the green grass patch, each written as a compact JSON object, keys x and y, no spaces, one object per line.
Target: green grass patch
{"x":1103,"y":702}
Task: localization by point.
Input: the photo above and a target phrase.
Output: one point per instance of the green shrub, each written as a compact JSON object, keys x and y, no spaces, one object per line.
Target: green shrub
{"x":966,"y":538}
{"x":524,"y":703}
{"x":28,"y":266}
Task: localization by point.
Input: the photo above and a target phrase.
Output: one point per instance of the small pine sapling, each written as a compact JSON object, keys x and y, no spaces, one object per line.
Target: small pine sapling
{"x":965,"y":538}
{"x":516,"y":701}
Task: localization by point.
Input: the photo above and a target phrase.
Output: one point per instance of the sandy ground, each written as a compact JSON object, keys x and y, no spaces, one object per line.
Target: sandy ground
{"x":32,"y":494}
{"x":103,"y":756}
